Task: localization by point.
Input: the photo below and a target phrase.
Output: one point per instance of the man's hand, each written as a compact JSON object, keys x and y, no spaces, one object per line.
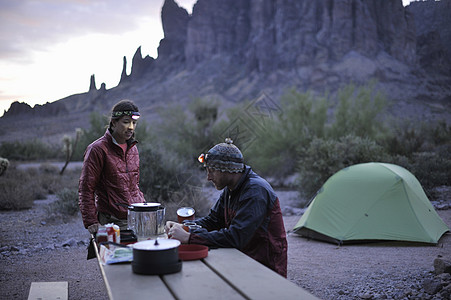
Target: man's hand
{"x":168,"y":226}
{"x":176,"y":231}
{"x":93,"y":228}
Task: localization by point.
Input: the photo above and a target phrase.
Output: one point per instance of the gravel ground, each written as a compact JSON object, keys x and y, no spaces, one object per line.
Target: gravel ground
{"x":36,"y":246}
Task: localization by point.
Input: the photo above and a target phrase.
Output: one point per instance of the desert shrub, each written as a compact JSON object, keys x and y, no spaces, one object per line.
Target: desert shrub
{"x":29,"y":150}
{"x":407,"y":138}
{"x":157,"y":177}
{"x":4,"y":163}
{"x":324,"y":157}
{"x":358,"y":112}
{"x":98,"y":124}
{"x":66,"y":203}
{"x":46,"y":180}
{"x":19,"y":188}
{"x":186,"y":132}
{"x":439,"y":132}
{"x":404,"y":139}
{"x":432,"y":169}
{"x":423,"y":149}
{"x":164,"y":180}
{"x":302,"y":118}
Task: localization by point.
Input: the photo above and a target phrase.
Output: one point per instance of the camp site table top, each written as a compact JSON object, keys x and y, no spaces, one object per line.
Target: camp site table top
{"x":224,"y":274}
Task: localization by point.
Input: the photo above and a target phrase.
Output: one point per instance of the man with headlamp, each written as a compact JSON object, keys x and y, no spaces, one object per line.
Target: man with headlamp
{"x":246,"y":216}
{"x":110,"y":174}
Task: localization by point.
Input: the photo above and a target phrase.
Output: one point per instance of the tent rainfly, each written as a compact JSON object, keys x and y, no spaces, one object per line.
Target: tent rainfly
{"x":371,"y":201}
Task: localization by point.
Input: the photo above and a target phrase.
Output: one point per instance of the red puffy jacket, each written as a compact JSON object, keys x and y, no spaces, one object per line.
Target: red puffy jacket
{"x":108,"y":178}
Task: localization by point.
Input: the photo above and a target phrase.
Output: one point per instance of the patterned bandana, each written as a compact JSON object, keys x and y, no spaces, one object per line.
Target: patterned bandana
{"x":225,"y":157}
{"x":134,"y":114}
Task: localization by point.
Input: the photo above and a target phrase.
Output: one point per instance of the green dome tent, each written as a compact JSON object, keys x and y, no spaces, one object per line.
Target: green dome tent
{"x":371,"y":201}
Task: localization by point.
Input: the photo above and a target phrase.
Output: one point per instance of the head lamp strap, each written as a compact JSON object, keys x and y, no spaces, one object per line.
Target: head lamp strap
{"x":209,"y":156}
{"x":134,"y":114}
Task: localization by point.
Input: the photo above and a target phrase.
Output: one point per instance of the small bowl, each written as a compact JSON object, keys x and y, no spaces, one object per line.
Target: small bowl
{"x":192,"y":251}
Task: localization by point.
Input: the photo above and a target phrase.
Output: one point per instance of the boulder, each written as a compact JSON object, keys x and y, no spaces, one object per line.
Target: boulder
{"x":442,"y":265}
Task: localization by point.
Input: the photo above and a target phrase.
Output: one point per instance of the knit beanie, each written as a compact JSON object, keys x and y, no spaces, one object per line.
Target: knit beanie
{"x":225,"y":157}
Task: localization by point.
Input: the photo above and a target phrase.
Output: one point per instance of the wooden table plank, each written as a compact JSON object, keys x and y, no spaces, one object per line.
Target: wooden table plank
{"x":253,"y":279}
{"x":224,"y":274}
{"x":124,"y":284}
{"x":197,"y":281}
{"x":49,"y":290}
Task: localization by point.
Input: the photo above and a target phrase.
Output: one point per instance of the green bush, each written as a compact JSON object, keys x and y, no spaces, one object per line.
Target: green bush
{"x":19,"y":188}
{"x":29,"y":150}
{"x":325,"y":157}
{"x":407,"y":138}
{"x":98,"y":125}
{"x":358,"y":112}
{"x":432,"y":169}
{"x":403,"y":139}
{"x":164,"y":180}
{"x":16,"y":191}
{"x":66,"y":203}
{"x":438,"y":133}
{"x":302,"y":118}
{"x":157,"y":177}
{"x":186,"y":132}
{"x":4,"y":164}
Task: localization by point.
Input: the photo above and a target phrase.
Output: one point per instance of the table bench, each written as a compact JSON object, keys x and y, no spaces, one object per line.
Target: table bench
{"x":48,"y":290}
{"x":225,"y":273}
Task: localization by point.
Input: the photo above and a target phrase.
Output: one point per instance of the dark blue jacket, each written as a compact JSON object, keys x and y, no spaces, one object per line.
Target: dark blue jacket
{"x":249,"y":219}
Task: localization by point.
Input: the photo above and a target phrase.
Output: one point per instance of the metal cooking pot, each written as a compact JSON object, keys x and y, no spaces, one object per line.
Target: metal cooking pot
{"x":156,"y":257}
{"x":146,"y":220}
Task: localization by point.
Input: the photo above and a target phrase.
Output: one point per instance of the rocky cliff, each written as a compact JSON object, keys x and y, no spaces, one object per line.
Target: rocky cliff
{"x":433,"y":31}
{"x":271,"y":35}
{"x":234,"y":50}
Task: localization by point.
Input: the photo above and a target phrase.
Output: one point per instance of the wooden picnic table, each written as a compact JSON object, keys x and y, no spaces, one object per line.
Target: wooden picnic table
{"x":226,"y":273}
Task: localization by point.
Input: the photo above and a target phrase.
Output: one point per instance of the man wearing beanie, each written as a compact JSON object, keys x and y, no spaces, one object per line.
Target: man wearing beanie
{"x":247,"y":215}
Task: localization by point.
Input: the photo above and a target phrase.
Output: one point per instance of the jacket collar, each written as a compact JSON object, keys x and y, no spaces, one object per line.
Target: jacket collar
{"x":130,"y":142}
{"x":244,"y":177}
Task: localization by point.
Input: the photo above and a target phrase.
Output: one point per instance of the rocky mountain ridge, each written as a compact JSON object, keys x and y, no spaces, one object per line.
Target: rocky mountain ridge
{"x":235,"y":50}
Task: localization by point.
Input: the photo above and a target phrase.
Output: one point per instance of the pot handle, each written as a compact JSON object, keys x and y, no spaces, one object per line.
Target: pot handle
{"x":125,"y":205}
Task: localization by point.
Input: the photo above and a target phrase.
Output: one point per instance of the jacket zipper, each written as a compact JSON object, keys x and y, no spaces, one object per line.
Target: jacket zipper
{"x":125,"y":158}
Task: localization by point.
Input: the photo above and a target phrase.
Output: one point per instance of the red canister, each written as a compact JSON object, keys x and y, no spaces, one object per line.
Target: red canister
{"x":185,"y":213}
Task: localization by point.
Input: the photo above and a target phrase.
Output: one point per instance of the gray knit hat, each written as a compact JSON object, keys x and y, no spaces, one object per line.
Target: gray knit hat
{"x":225,"y":157}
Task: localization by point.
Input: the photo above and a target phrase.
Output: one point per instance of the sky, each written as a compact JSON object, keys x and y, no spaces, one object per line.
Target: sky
{"x":50,"y":48}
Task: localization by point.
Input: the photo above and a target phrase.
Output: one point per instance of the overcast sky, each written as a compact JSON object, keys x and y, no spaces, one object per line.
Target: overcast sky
{"x":50,"y":48}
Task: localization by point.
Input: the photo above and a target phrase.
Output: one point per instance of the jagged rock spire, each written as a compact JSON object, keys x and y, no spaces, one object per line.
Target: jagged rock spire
{"x":175,"y":25}
{"x":124,"y":75}
{"x":92,"y":85}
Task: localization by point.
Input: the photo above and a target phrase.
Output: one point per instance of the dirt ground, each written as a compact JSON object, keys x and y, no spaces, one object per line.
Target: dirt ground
{"x":36,"y":246}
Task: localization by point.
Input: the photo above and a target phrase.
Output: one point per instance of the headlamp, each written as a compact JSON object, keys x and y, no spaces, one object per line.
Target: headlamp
{"x":201,"y":158}
{"x":133,"y":114}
